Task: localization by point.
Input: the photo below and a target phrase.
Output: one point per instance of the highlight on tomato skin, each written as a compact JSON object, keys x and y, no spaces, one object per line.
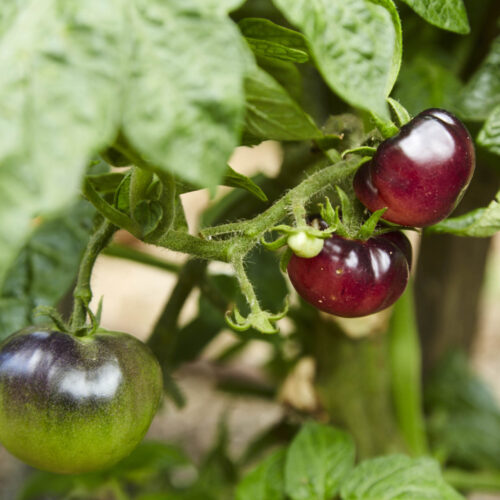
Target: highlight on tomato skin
{"x":75,"y":404}
{"x":421,"y":173}
{"x":353,"y":278}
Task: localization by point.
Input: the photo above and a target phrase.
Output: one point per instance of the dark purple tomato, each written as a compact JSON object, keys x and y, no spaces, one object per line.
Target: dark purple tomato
{"x":352,"y":278}
{"x":421,"y":173}
{"x":75,"y":404}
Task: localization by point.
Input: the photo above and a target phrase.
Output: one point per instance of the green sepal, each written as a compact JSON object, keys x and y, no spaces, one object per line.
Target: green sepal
{"x":276,"y":244}
{"x":285,"y":259}
{"x":361,"y":150}
{"x":368,"y":228}
{"x":262,"y":321}
{"x":53,"y":314}
{"x":399,"y":111}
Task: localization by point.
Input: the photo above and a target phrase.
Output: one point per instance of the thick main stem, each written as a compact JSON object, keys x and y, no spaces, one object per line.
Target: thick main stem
{"x":83,"y":293}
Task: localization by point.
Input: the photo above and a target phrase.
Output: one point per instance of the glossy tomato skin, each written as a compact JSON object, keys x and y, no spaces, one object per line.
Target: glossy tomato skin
{"x":421,"y":173}
{"x":352,"y":278}
{"x":73,"y":405}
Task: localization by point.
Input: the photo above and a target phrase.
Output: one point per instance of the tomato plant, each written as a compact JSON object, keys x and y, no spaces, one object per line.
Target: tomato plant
{"x":384,"y":117}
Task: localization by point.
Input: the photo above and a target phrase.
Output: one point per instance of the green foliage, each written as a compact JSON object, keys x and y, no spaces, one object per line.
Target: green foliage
{"x":271,"y":113}
{"x":356,"y":46}
{"x":425,"y":83}
{"x":464,"y":416}
{"x":317,"y":461}
{"x":447,"y":14}
{"x":319,"y":464}
{"x":482,"y":93}
{"x":272,"y":41}
{"x":489,"y":137}
{"x":266,"y":481}
{"x":45,"y":268}
{"x":480,"y":223}
{"x":61,"y":71}
{"x":180,"y":92}
{"x":397,"y":477}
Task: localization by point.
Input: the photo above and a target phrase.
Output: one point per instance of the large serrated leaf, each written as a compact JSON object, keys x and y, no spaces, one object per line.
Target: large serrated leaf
{"x":45,"y":269}
{"x":61,"y":66}
{"x":489,"y":136}
{"x":266,"y":481}
{"x":482,"y":93}
{"x":185,"y":104}
{"x":357,"y":46}
{"x":318,"y":460}
{"x":447,"y":14}
{"x":480,"y":223}
{"x":272,"y":113}
{"x":397,"y":477}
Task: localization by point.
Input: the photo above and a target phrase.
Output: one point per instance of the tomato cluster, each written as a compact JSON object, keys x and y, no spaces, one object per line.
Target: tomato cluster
{"x":419,"y":176}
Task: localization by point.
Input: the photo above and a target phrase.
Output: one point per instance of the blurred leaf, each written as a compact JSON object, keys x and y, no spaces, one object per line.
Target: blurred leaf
{"x":266,"y":481}
{"x":186,"y":117}
{"x":237,"y":180}
{"x":45,"y":269}
{"x":263,"y":271}
{"x":356,"y":45}
{"x":425,"y":83}
{"x":272,"y":113}
{"x":285,"y":73}
{"x":464,"y":417}
{"x":446,"y":14}
{"x":107,"y":182}
{"x":397,"y":477}
{"x":318,"y":460}
{"x":489,"y":136}
{"x":482,"y":93}
{"x":270,"y":40}
{"x":61,"y":74}
{"x":480,"y":223}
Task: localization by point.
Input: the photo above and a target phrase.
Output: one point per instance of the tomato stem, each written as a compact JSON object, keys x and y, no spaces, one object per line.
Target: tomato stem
{"x":82,"y":293}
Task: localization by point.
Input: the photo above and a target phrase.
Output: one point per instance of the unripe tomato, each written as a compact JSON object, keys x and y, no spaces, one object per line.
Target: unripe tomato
{"x":75,"y":404}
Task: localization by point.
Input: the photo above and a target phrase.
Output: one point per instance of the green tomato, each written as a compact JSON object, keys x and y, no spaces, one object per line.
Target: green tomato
{"x":305,"y":245}
{"x":75,"y":404}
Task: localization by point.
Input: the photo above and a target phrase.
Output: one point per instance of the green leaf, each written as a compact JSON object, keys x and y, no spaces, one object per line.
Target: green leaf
{"x":397,"y":477}
{"x":237,"y":180}
{"x":61,"y":68}
{"x":446,"y":14}
{"x":266,"y":481}
{"x":45,"y":268}
{"x":356,"y":45}
{"x":464,"y":417}
{"x":184,"y":108}
{"x":489,"y":136}
{"x":270,"y":40}
{"x":425,"y":83}
{"x":480,"y":223}
{"x":482,"y":93}
{"x":318,"y":460}
{"x":272,"y":113}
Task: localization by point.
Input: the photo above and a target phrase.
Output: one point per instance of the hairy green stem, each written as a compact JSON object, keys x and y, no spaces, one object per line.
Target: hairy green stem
{"x":246,"y":286}
{"x":83,"y":293}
